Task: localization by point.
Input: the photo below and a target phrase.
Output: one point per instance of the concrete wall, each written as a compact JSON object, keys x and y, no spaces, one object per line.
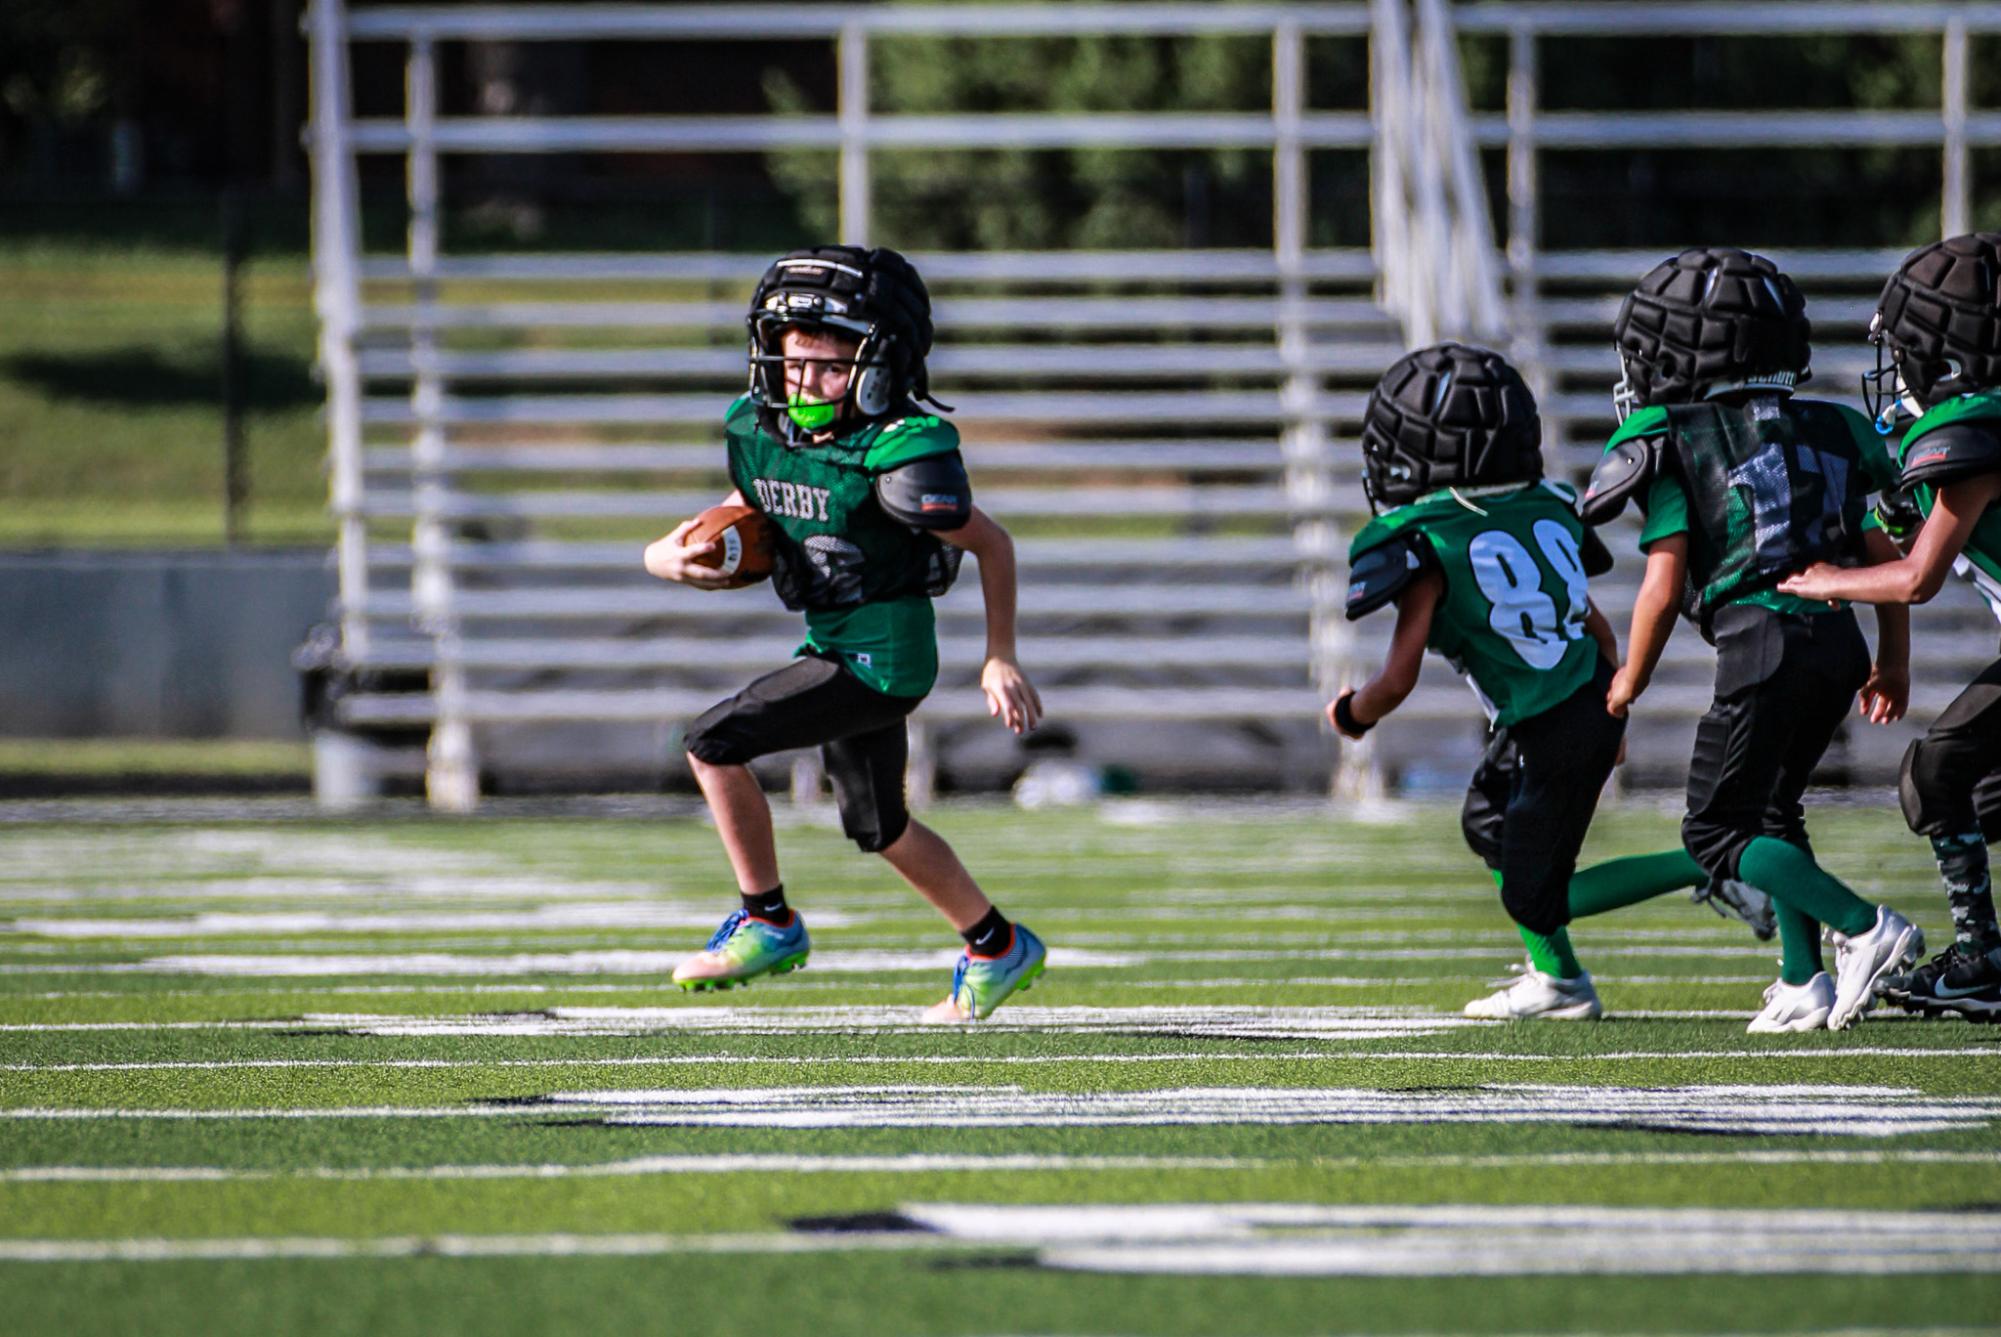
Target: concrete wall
{"x":169,"y":645}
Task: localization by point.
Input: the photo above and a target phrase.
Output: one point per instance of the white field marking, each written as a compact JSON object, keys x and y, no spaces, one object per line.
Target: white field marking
{"x":1778,"y":1110}
{"x":1284,"y":1239}
{"x":388,"y":889}
{"x":635,"y":1167}
{"x":584,"y":914}
{"x":863,"y":961}
{"x":933,"y":1164}
{"x":1349,"y":1023}
{"x":1017,"y":1060}
{"x":258,"y":1249}
{"x":618,"y":962}
{"x":1858,"y":1111}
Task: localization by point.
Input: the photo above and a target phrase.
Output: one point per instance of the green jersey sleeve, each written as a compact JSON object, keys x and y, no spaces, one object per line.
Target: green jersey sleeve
{"x":902,"y":440}
{"x":1667,"y":511}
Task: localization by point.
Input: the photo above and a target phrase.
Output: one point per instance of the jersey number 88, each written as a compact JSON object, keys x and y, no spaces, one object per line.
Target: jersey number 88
{"x":1522,"y":612}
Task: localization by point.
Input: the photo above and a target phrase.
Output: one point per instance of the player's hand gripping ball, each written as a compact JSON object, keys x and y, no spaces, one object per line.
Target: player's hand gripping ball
{"x":745,"y":547}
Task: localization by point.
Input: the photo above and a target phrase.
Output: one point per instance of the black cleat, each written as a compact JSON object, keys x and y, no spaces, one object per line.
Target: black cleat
{"x":1959,"y":981}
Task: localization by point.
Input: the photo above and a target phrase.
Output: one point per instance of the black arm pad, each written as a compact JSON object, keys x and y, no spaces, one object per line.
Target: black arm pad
{"x":1626,"y":471}
{"x":1597,"y":557}
{"x":1379,"y":575}
{"x":931,"y":493}
{"x":1952,"y":452}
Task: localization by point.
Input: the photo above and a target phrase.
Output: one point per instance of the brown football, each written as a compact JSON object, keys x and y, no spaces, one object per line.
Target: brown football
{"x":745,"y":537}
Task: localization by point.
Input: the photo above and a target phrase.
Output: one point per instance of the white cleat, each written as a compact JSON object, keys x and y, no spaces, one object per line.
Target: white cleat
{"x":1729,"y":897}
{"x":1863,"y":962}
{"x":1539,"y":997}
{"x":1795,"y":1007}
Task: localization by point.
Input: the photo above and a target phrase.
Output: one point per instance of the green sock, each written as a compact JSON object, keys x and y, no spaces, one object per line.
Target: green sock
{"x":1789,"y":876}
{"x":1628,"y":881}
{"x":1799,"y":935}
{"x":1550,"y":953}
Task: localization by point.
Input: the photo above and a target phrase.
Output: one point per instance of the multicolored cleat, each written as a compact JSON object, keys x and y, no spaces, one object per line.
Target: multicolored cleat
{"x":982,"y":983}
{"x":744,"y":948}
{"x":1960,"y":981}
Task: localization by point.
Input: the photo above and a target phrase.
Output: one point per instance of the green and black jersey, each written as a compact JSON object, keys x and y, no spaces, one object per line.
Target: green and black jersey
{"x":1761,"y":489}
{"x":1512,"y":615}
{"x":1982,"y":553}
{"x":864,"y":579}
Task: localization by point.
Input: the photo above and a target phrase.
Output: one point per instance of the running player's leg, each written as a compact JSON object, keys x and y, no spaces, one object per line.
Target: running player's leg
{"x":1000,"y":957}
{"x":803,"y":704}
{"x":1563,"y":758}
{"x":1946,"y":775}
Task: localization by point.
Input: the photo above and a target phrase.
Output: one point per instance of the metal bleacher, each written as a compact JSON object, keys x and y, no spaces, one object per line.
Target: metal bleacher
{"x":1167,"y":434}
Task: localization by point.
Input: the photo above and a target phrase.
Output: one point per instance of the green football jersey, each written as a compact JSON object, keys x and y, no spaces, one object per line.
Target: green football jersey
{"x":1761,"y":489}
{"x":1511,"y":619}
{"x":864,"y":580}
{"x":1982,"y":554}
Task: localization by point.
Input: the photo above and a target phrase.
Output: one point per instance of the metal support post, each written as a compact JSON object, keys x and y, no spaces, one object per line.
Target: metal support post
{"x":853,"y":114}
{"x":1954,"y":206}
{"x":1527,"y":340}
{"x":451,"y":774}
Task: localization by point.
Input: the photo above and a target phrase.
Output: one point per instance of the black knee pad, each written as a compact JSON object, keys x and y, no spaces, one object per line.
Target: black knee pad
{"x":873,"y":829}
{"x":712,"y":739}
{"x":1921,"y":791}
{"x":1480,"y":821}
{"x":1714,"y":846}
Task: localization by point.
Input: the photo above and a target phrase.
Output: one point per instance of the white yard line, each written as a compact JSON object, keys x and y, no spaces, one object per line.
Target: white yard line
{"x":1025,"y":1060}
{"x":637,"y":1166}
{"x":933,"y":1164}
{"x":1775,"y":1110}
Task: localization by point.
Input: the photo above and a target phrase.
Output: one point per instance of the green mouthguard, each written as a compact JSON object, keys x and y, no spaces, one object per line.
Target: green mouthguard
{"x":810,"y":416}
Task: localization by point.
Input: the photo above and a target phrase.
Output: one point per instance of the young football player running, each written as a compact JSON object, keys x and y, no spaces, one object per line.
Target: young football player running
{"x":874,"y":511}
{"x":1937,"y":333}
{"x":1742,"y":484}
{"x":1487,"y":564}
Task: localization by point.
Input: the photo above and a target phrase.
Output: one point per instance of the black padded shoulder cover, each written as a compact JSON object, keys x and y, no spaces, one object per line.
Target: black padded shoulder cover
{"x":1379,"y":575}
{"x":1952,"y":452}
{"x":1625,"y":472}
{"x":928,"y":493}
{"x":1597,"y":557}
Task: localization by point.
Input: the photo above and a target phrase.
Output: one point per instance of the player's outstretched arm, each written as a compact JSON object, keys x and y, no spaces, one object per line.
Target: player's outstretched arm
{"x":1361,"y":707}
{"x":671,"y":559}
{"x":1887,"y":693}
{"x":1011,"y":697}
{"x":1916,"y":578}
{"x":1654,"y":612}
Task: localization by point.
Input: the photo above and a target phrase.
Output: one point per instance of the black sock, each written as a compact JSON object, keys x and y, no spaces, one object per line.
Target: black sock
{"x":768,"y":905}
{"x":989,"y":936}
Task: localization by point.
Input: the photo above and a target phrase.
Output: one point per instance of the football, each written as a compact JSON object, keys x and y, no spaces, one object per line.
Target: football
{"x":745,"y":535}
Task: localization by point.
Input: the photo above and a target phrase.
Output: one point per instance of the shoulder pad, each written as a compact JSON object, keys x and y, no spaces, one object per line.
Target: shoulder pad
{"x":1379,"y":574}
{"x":1649,"y":421}
{"x":931,"y":492}
{"x":912,"y":437}
{"x":1952,"y":452}
{"x":1627,"y":470}
{"x":1596,"y":556}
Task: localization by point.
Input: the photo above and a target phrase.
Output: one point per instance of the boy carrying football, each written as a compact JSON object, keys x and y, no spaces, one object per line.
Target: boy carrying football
{"x":1742,"y":483}
{"x":873,"y":511}
{"x":1938,"y":325}
{"x":1487,"y":564}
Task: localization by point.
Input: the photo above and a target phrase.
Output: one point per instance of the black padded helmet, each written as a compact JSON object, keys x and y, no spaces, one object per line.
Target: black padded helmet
{"x":874,"y":297}
{"x":1937,"y":327}
{"x":1448,"y":416}
{"x":1710,"y":319}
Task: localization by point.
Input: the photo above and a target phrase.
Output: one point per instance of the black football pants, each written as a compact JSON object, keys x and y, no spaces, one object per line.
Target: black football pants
{"x":1784,"y":684}
{"x":1531,"y":800}
{"x":1951,"y":783}
{"x":814,"y":702}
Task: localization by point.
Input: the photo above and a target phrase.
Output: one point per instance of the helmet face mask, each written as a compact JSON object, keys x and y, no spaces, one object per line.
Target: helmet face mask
{"x":1448,"y":416}
{"x":1937,"y":329}
{"x":1706,"y":322}
{"x":872,"y":300}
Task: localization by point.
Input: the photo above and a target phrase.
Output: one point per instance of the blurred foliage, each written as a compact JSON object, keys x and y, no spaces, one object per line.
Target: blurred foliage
{"x":1035,"y":199}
